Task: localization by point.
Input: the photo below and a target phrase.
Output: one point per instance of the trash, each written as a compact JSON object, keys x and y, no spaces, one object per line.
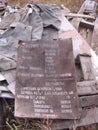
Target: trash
{"x":36,"y":22}
{"x":87,"y":27}
{"x":3,"y":6}
{"x":49,"y":84}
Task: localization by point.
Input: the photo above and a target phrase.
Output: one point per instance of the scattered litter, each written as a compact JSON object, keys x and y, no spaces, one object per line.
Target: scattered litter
{"x":36,"y":22}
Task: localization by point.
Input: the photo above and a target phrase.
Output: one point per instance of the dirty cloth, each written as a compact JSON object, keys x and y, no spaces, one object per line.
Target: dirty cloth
{"x":33,"y":22}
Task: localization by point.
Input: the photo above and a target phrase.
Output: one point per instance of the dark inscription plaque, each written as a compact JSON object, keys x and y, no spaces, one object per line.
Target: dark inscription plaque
{"x":45,"y":81}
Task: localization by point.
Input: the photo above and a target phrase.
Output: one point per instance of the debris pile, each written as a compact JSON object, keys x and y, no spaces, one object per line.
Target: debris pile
{"x":38,"y":22}
{"x":87,"y":26}
{"x":3,"y":6}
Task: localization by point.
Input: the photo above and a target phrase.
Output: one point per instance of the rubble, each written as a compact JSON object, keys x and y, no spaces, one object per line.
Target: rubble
{"x":37,"y":21}
{"x":87,"y":27}
{"x":3,"y":6}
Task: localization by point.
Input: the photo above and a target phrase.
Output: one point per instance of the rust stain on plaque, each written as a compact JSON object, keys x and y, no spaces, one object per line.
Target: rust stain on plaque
{"x":45,"y":81}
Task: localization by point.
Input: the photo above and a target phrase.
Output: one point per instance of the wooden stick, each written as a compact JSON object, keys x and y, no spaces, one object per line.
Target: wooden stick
{"x":79,"y":15}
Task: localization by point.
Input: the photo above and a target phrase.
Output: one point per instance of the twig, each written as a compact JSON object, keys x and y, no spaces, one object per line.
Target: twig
{"x":9,"y":126}
{"x":79,"y":15}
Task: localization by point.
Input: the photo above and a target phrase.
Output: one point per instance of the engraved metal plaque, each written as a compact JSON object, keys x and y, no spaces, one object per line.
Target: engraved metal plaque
{"x":45,"y":81}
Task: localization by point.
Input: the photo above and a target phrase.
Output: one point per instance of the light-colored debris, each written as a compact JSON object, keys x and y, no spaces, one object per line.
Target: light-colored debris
{"x":2,"y":77}
{"x":79,"y":16}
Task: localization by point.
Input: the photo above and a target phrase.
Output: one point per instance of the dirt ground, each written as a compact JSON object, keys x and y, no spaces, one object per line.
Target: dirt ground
{"x":73,"y":5}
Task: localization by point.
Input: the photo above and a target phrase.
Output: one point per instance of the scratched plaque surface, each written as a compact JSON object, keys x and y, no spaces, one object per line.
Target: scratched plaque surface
{"x":45,"y":81}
